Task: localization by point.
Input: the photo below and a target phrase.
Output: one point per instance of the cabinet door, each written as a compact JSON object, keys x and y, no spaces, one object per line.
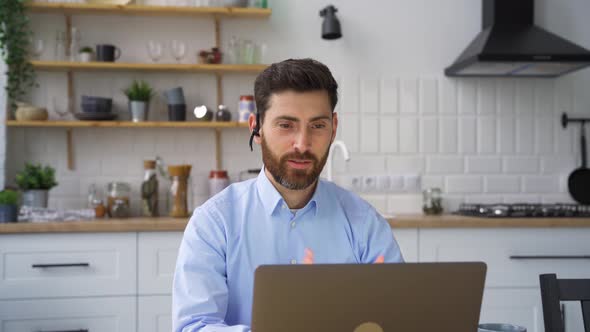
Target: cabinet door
{"x":156,"y":261}
{"x":407,"y":239}
{"x":63,"y":265}
{"x":154,"y":313}
{"x":515,"y":306}
{"x":515,"y":257}
{"x":84,"y":314}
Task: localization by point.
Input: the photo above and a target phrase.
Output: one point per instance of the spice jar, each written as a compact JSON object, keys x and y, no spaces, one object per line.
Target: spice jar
{"x":245,"y":108}
{"x":118,"y":199}
{"x":218,"y":180}
{"x":178,"y":193}
{"x":432,"y":201}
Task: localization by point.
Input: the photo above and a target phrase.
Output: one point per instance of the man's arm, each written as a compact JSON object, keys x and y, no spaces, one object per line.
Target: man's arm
{"x":200,"y":294}
{"x":379,"y":241}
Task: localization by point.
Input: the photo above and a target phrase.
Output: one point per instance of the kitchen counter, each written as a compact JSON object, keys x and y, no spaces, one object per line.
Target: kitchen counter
{"x":178,"y":224}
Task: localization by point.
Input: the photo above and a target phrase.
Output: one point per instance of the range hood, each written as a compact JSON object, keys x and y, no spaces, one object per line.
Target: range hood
{"x":511,"y":45}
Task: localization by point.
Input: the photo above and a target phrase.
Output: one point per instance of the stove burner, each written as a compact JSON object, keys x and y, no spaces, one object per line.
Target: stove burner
{"x":524,"y":210}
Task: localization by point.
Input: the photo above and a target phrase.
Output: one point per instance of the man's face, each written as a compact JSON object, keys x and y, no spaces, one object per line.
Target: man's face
{"x":296,"y":135}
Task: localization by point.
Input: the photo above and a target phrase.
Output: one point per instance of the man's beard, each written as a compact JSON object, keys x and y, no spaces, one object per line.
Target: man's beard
{"x":293,"y":179}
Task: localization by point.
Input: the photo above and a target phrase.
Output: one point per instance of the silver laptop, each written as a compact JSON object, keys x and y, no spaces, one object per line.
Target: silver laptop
{"x":408,"y":297}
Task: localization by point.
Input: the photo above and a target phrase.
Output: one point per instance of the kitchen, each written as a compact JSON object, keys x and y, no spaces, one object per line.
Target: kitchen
{"x":406,"y":125}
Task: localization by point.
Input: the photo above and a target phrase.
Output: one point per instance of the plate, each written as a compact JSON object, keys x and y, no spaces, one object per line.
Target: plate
{"x":98,"y":116}
{"x":108,"y":2}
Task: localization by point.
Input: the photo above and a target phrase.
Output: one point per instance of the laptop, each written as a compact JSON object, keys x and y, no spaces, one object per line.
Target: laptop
{"x":408,"y":297}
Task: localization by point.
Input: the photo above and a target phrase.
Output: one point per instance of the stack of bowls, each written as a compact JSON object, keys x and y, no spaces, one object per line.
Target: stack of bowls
{"x":176,"y":104}
{"x":96,"y":108}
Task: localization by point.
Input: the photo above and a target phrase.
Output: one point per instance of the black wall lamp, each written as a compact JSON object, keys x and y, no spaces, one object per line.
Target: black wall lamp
{"x":331,"y":25}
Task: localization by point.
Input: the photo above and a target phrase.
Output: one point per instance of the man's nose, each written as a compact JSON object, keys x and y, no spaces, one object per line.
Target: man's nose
{"x":302,"y":141}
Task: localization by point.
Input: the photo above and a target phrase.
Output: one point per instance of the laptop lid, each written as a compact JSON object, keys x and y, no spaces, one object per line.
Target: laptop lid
{"x":409,"y":297}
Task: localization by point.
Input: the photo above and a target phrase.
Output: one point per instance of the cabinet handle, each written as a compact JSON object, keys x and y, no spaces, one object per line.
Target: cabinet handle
{"x":563,"y":316}
{"x":43,"y":266}
{"x":550,"y":257}
{"x":80,"y":330}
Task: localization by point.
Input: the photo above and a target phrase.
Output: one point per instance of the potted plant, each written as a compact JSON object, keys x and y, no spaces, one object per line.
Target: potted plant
{"x":8,"y":206}
{"x":139,"y":95}
{"x":15,"y":40}
{"x":85,"y":54}
{"x":35,"y":182}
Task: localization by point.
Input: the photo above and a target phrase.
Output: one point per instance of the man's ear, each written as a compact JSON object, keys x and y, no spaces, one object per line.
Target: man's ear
{"x":334,"y":125}
{"x":254,"y":125}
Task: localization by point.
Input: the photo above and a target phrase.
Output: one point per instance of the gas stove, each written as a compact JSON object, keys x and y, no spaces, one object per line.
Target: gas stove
{"x":524,"y":210}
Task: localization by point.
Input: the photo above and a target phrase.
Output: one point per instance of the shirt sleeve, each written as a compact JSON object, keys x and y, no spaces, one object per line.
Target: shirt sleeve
{"x":200,"y":294}
{"x":379,"y":240}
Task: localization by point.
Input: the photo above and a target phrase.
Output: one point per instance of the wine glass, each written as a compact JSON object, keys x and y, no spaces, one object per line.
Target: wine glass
{"x":61,"y":106}
{"x":37,"y":47}
{"x":155,"y":50}
{"x":178,"y":48}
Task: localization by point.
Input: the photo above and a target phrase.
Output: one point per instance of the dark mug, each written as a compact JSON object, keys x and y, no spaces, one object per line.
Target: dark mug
{"x":107,"y":53}
{"x":177,"y":112}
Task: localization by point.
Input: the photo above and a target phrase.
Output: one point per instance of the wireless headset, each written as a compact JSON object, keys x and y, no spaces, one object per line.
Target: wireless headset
{"x":255,"y":131}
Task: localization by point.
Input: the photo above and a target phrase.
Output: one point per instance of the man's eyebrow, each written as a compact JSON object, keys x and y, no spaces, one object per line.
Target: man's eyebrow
{"x":294,"y":119}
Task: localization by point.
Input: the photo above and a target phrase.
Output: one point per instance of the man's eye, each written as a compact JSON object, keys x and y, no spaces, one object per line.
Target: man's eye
{"x":318,"y":126}
{"x":285,"y":125}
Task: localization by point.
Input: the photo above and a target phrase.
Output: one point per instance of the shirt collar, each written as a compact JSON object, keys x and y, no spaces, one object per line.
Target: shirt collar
{"x":271,"y":198}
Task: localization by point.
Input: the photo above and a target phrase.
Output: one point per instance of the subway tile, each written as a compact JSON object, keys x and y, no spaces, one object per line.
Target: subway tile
{"x":409,"y":95}
{"x":525,"y":135}
{"x":448,"y":136}
{"x":506,"y":96}
{"x":349,"y":95}
{"x":544,"y":139}
{"x":404,"y":203}
{"x":486,"y":96}
{"x":544,"y":97}
{"x":506,"y":135}
{"x":67,"y":186}
{"x":448,"y":96}
{"x":451,"y":202}
{"x":467,"y":135}
{"x":404,"y":165}
{"x":408,"y":135}
{"x":558,"y":164}
{"x":467,"y":96}
{"x":389,"y":133}
{"x":389,"y":96}
{"x":524,"y":97}
{"x":379,"y":202}
{"x":464,"y":184}
{"x":564,"y":140}
{"x":484,"y":165}
{"x":428,"y":96}
{"x":369,"y":96}
{"x":444,"y":165}
{"x":557,"y":198}
{"x":428,"y":135}
{"x":540,"y":184}
{"x":483,"y":199}
{"x":521,"y":165}
{"x":363,"y":164}
{"x":486,"y":135}
{"x":501,"y":184}
{"x":564,"y":95}
{"x":522,"y":198}
{"x":369,"y":134}
{"x":433,"y":181}
{"x":348,"y":131}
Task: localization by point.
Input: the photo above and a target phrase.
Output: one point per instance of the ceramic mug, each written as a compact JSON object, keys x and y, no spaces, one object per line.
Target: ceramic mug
{"x":107,"y":53}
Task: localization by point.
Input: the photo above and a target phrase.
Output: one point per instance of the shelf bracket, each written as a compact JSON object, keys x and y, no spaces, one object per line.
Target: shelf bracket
{"x":218,"y":163}
{"x":70,"y":149}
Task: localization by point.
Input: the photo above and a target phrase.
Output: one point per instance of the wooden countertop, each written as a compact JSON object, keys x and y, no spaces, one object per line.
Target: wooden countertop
{"x":178,"y":224}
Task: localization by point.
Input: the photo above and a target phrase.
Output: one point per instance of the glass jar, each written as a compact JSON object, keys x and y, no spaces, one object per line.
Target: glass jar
{"x":245,"y":108}
{"x":118,"y":194}
{"x":432,"y":201}
{"x":218,"y":180}
{"x":223,"y":113}
{"x":179,"y":190}
{"x":149,"y":190}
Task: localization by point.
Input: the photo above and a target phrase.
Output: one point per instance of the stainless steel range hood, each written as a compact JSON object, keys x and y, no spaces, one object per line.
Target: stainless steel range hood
{"x":511,"y":45}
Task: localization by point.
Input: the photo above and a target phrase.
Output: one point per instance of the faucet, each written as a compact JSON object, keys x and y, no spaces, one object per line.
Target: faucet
{"x":345,"y":154}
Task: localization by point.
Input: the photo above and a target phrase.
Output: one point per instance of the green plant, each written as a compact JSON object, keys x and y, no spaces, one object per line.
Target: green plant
{"x":15,"y":40}
{"x":8,"y":197}
{"x":86,"y":49}
{"x":139,"y":91}
{"x":36,"y":177}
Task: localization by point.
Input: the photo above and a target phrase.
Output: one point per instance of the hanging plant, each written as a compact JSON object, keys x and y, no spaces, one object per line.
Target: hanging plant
{"x":15,"y":36}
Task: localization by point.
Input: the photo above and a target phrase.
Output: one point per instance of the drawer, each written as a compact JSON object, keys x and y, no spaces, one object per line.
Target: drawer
{"x":156,"y":261}
{"x":515,"y":257}
{"x":92,"y":315}
{"x":154,"y":313}
{"x":62,"y":265}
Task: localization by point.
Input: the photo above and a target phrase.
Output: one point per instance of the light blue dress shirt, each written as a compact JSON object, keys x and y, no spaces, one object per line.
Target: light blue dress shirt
{"x":249,"y":224}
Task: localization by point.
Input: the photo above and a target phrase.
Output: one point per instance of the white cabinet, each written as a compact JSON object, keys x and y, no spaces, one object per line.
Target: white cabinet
{"x":156,"y":260}
{"x":62,"y":265}
{"x":407,"y":239}
{"x":91,"y":314}
{"x":154,"y":313}
{"x":515,"y":259}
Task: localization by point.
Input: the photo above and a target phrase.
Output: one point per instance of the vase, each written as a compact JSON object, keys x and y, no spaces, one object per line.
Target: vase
{"x":36,"y":198}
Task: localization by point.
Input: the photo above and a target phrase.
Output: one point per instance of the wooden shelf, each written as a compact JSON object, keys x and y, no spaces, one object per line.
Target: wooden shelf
{"x":126,"y":124}
{"x":153,"y":67}
{"x":95,"y":9}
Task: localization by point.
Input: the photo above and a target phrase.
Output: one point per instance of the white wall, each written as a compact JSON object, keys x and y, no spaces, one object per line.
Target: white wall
{"x":480,"y":140}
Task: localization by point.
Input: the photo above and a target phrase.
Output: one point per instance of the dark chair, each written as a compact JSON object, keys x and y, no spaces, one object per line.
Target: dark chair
{"x":554,"y":290}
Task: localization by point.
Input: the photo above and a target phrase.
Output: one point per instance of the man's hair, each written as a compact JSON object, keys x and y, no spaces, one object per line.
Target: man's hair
{"x":299,"y":75}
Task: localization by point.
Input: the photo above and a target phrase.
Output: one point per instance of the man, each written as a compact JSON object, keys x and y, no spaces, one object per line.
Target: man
{"x":284,"y":216}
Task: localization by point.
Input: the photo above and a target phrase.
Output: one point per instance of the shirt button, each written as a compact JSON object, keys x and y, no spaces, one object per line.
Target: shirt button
{"x":293,"y":261}
{"x":284,"y":206}
{"x":293,"y":224}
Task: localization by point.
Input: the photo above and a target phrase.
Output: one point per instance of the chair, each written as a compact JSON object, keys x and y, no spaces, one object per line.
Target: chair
{"x":554,"y":290}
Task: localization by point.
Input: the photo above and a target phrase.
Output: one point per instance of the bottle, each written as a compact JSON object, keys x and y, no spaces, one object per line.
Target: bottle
{"x":149,"y":190}
{"x":245,"y":108}
{"x":74,"y":46}
{"x":179,"y":190}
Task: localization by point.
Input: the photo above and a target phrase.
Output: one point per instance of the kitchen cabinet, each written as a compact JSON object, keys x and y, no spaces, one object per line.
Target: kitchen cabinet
{"x":154,"y":313}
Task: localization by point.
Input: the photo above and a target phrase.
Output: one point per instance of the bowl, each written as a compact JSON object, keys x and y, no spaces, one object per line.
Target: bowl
{"x":500,"y":327}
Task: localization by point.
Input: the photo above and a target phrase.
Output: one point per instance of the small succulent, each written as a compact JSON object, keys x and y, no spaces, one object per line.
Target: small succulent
{"x":36,"y":177}
{"x":86,"y":49}
{"x":8,"y":197}
{"x":139,"y":91}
